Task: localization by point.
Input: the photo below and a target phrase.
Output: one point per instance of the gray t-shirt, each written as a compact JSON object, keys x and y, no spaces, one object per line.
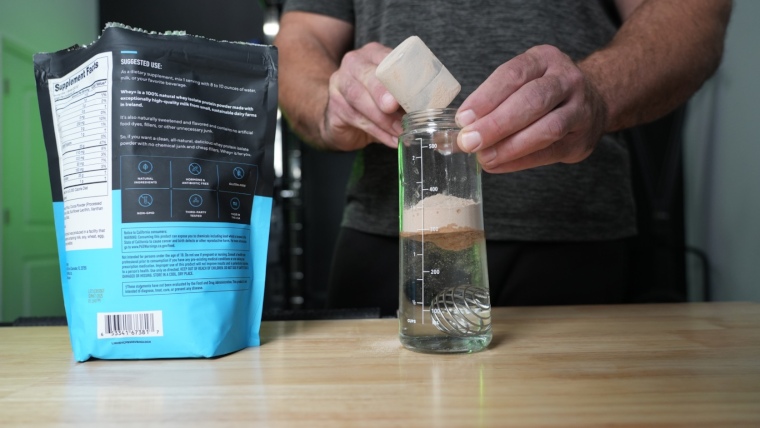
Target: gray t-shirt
{"x":590,"y":200}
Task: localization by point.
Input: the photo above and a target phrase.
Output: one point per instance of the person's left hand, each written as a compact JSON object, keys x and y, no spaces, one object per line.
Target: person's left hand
{"x":536,"y":109}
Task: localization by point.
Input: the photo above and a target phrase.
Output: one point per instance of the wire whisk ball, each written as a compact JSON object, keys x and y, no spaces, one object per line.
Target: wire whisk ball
{"x":464,"y":310}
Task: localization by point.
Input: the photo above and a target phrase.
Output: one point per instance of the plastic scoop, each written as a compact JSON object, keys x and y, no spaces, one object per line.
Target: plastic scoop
{"x":416,"y":78}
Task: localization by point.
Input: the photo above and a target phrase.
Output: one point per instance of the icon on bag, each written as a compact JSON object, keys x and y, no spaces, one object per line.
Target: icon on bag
{"x":145,"y":167}
{"x":196,"y":200}
{"x":145,"y":200}
{"x":195,"y":169}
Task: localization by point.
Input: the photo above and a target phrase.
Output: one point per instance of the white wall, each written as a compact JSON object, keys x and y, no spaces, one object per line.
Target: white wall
{"x":722,"y":165}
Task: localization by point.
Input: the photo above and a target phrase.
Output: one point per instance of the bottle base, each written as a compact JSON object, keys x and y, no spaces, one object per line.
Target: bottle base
{"x":443,"y":344}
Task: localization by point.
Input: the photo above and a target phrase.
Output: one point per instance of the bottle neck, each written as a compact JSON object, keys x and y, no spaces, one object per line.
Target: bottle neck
{"x":442,"y":118}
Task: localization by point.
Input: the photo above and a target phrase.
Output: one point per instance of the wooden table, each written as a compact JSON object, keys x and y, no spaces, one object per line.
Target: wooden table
{"x":648,"y":365}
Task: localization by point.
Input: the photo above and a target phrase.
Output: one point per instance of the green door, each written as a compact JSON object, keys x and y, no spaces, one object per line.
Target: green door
{"x":31,"y":283}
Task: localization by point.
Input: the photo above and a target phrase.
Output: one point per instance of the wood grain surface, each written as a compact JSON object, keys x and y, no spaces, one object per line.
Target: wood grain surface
{"x":687,"y":365}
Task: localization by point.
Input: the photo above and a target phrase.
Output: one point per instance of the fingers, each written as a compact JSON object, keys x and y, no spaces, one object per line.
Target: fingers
{"x":384,"y":99}
{"x":528,"y":104}
{"x":362,"y":64}
{"x":503,"y":82}
{"x":357,"y":108}
{"x":546,"y":141}
{"x":358,"y":99}
{"x":352,"y":130}
{"x":547,"y":156}
{"x":534,"y":110}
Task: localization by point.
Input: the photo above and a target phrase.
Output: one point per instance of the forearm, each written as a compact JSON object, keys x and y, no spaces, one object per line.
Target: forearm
{"x":662,"y":54}
{"x":306,"y":64}
{"x":303,"y":90}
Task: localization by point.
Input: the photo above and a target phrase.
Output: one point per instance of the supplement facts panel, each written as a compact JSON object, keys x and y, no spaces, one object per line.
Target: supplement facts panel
{"x":82,"y":110}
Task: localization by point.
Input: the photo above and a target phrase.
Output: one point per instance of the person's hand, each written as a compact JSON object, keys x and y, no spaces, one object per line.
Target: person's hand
{"x":359,"y":109}
{"x":536,"y":109}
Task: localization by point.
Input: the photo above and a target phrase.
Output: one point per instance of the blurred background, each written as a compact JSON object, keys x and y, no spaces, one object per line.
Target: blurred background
{"x":697,"y":184}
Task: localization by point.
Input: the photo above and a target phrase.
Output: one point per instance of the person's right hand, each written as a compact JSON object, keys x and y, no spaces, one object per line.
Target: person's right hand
{"x":360,"y":110}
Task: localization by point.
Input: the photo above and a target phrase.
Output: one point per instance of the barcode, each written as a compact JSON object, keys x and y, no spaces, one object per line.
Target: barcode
{"x":130,"y":324}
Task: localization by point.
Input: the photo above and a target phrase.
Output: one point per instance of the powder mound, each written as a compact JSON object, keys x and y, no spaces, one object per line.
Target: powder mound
{"x":439,"y":212}
{"x":450,"y":239}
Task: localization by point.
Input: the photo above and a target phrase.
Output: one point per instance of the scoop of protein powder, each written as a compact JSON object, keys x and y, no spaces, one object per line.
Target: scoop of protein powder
{"x":416,"y":78}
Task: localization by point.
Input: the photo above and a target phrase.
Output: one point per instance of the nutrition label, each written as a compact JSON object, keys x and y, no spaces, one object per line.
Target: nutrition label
{"x":84,"y":156}
{"x":82,"y":126}
{"x":81,"y":105}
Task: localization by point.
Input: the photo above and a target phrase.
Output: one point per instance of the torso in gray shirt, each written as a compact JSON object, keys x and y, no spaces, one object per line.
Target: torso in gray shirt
{"x":590,"y":200}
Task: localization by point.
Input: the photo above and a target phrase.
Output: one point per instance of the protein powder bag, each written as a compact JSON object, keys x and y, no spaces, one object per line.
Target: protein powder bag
{"x":160,"y":149}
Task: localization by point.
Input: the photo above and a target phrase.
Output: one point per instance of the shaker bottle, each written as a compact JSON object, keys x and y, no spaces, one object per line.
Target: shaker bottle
{"x":444,"y":303}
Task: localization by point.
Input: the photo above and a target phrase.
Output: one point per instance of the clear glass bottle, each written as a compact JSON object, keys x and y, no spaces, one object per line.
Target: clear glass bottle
{"x":444,"y":303}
